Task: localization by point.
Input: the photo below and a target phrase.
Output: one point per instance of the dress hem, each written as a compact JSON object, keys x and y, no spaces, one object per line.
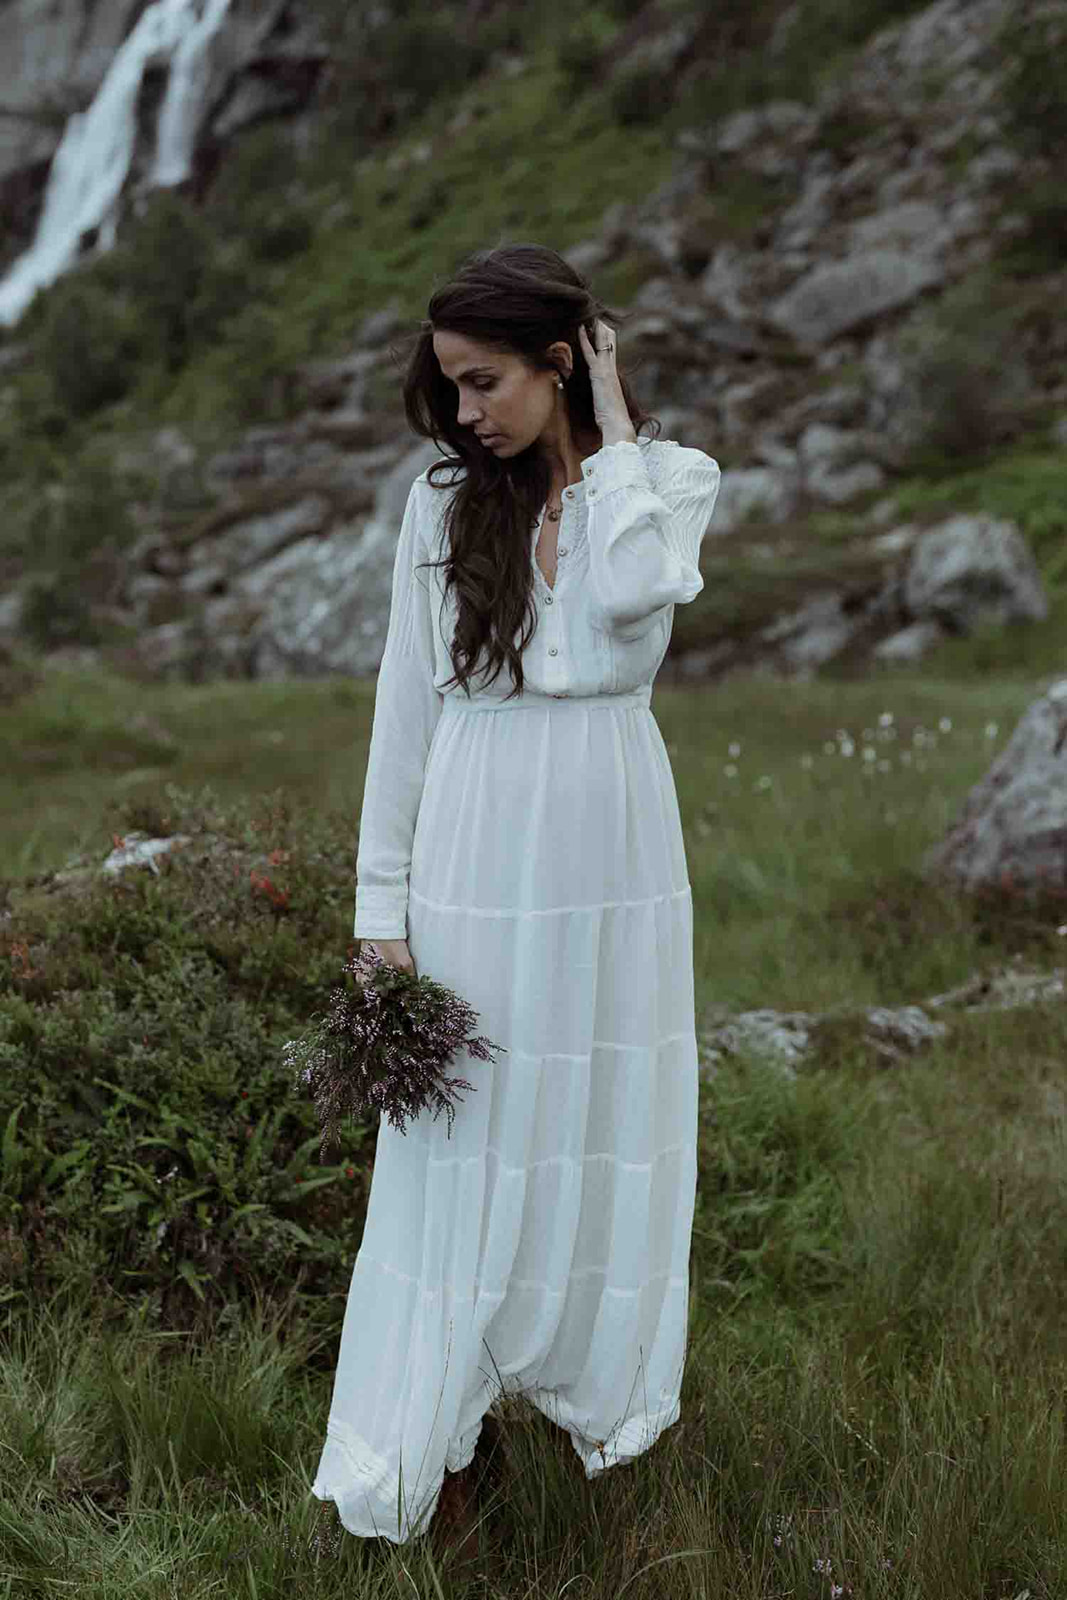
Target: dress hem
{"x":623,"y":1445}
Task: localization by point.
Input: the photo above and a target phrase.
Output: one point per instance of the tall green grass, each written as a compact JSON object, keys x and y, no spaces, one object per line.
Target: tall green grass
{"x":873,"y":1397}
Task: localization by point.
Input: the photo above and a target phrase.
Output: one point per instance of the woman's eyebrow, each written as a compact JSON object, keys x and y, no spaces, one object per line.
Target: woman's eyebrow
{"x":471,"y":371}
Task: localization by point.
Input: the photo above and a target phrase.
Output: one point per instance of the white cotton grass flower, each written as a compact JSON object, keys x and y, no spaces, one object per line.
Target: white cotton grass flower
{"x":783,"y":1528}
{"x":829,"y":748}
{"x":870,"y":753}
{"x":886,"y":719}
{"x":945,"y":724}
{"x":761,"y":783}
{"x":730,"y":770}
{"x":991,"y":730}
{"x":734,"y":751}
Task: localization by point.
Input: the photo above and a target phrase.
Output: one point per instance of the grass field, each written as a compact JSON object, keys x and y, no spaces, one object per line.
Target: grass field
{"x":877,"y":1366}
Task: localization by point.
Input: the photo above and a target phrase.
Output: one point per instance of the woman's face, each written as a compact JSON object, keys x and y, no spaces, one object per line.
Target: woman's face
{"x":497,"y":393}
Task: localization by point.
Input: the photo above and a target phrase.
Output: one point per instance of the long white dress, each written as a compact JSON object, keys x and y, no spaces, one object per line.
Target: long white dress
{"x":531,"y":852}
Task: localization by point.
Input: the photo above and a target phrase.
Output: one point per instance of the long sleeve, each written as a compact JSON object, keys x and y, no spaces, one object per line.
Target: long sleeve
{"x":406,"y":709}
{"x":644,"y":545}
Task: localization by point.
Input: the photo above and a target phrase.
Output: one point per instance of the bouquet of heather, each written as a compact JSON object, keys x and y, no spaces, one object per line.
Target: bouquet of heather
{"x":383,"y":1046}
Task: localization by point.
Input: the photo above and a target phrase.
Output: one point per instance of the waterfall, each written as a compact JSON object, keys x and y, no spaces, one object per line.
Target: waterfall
{"x":93,"y":160}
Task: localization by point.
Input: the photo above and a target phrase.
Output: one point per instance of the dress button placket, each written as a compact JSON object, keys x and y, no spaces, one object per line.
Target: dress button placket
{"x":561,"y":550}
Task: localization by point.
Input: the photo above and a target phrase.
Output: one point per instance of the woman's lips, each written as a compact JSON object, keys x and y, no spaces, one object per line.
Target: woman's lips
{"x":490,"y":439}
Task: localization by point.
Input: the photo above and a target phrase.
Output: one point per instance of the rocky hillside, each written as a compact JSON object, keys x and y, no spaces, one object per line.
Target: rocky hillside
{"x":849,"y":300}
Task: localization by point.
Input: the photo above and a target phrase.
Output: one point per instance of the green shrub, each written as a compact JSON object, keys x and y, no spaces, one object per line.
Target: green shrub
{"x":36,"y":417}
{"x":253,"y":365}
{"x":1041,"y":247}
{"x":78,"y":525}
{"x":428,"y":52}
{"x":1032,"y":51}
{"x":640,"y":95}
{"x":56,"y":612}
{"x":164,"y":264}
{"x":582,"y":49}
{"x":149,"y":1134}
{"x":259,"y":201}
{"x":964,"y":373}
{"x":88,"y":345}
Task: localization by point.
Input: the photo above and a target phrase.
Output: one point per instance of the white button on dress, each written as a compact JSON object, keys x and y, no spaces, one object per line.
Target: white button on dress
{"x":531,"y":853}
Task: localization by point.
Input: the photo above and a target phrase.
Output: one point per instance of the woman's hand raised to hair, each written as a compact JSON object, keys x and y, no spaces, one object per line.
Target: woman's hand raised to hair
{"x":396,"y":953}
{"x":609,"y":402}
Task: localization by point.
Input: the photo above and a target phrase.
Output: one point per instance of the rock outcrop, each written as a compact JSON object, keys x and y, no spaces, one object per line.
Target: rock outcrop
{"x":1013,"y":828}
{"x":883,"y":1036}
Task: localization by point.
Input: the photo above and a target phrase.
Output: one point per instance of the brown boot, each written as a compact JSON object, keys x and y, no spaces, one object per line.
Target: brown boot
{"x":455,"y":1521}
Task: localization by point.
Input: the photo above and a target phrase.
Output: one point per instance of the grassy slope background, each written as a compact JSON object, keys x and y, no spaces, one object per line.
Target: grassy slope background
{"x":873,"y":1397}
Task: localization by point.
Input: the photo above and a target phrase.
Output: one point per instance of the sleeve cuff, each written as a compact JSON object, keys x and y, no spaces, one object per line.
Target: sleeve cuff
{"x":615,"y":466}
{"x":380,"y":914}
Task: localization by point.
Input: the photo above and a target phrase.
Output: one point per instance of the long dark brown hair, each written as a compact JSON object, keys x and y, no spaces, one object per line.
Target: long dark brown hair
{"x":517,"y":298}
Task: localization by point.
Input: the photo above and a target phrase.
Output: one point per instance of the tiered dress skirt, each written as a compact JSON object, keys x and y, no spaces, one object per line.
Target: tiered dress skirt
{"x":543,"y":1246}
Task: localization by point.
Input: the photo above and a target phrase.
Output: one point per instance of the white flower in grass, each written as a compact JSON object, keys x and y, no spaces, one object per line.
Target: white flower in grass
{"x":886,"y":719}
{"x":991,"y":730}
{"x":762,"y":783}
{"x":945,"y":724}
{"x":807,"y":762}
{"x":885,"y":766}
{"x":734,"y":750}
{"x":847,"y":748}
{"x":829,"y":748}
{"x":730,"y":771}
{"x":870,"y":753}
{"x":1061,"y":931}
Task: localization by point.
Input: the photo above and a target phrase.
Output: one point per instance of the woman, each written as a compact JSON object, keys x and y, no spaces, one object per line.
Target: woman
{"x":522,"y":844}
